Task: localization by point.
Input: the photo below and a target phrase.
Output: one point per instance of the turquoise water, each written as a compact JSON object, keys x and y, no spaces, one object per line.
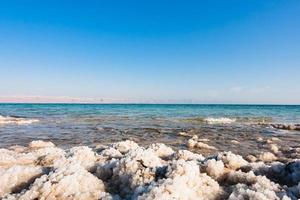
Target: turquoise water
{"x":89,"y":123}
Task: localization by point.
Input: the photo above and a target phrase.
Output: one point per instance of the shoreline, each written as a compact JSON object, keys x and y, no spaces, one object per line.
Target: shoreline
{"x":125,"y":170}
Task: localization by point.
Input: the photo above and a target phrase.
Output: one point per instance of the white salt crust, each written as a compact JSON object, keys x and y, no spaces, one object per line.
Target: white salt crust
{"x":124,"y":170}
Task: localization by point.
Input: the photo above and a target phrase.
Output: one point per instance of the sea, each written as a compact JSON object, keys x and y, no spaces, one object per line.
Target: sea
{"x":69,"y":125}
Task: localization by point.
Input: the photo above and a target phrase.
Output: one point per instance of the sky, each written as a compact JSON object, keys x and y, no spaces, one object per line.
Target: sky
{"x":150,"y":51}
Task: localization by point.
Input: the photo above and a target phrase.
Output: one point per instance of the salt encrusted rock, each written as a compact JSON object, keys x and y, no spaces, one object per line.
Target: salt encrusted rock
{"x":286,"y":126}
{"x":104,"y":170}
{"x":10,"y":158}
{"x":274,"y":148}
{"x":234,"y":142}
{"x":203,"y":140}
{"x":111,"y":153}
{"x":259,"y":139}
{"x":49,"y":156}
{"x":187,"y":155}
{"x":255,"y":187}
{"x":125,"y":146}
{"x":182,"y":133}
{"x":232,"y":161}
{"x":17,"y":177}
{"x":251,"y":158}
{"x":202,"y":145}
{"x":41,"y":156}
{"x":68,"y":182}
{"x":191,"y":143}
{"x":40,"y":144}
{"x":288,"y":174}
{"x":132,"y":172}
{"x":214,"y":168}
{"x":135,"y":169}
{"x":183,"y":181}
{"x":17,"y":148}
{"x":275,"y":139}
{"x":195,"y":137}
{"x":83,"y":155}
{"x":195,"y":142}
{"x":267,"y":157}
{"x":162,"y":150}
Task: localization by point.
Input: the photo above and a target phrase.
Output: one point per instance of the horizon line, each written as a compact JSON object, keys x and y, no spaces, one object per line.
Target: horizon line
{"x":151,"y":103}
{"x":23,"y":99}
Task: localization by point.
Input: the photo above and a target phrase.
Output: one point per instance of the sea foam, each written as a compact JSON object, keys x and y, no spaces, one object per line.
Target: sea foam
{"x":220,"y":120}
{"x":16,"y":120}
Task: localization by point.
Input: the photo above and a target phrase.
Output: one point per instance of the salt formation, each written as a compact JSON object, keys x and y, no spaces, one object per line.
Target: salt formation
{"x":234,"y":142}
{"x":16,"y":120}
{"x":15,"y":176}
{"x":267,"y":157}
{"x":125,"y":170}
{"x":291,"y":127}
{"x":195,"y":142}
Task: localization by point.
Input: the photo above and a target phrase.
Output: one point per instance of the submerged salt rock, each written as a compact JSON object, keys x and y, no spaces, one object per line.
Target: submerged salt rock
{"x":202,"y":145}
{"x":267,"y":157}
{"x":195,"y":137}
{"x":195,"y":142}
{"x":234,"y":142}
{"x":275,"y":139}
{"x":182,"y":133}
{"x":17,"y":177}
{"x":183,"y":181}
{"x":68,"y":182}
{"x":274,"y":148}
{"x":269,"y":141}
{"x":232,"y":161}
{"x":191,"y":143}
{"x":40,"y":144}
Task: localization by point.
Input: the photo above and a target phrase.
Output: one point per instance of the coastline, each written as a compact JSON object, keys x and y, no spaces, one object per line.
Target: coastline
{"x":125,"y":170}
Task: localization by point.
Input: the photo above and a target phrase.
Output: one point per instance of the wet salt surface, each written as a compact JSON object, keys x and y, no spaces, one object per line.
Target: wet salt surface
{"x":241,"y":139}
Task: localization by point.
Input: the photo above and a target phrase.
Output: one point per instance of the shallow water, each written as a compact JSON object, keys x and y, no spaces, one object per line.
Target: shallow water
{"x":91,"y":124}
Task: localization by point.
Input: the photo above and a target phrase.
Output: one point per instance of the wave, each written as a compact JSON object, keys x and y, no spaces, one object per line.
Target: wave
{"x":16,"y":120}
{"x":221,"y":120}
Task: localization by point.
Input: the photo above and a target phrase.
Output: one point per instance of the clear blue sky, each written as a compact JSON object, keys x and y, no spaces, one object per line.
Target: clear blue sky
{"x":243,"y":51}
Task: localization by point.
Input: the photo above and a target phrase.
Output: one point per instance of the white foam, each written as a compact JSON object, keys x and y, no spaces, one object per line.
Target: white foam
{"x":220,"y":120}
{"x":16,"y":120}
